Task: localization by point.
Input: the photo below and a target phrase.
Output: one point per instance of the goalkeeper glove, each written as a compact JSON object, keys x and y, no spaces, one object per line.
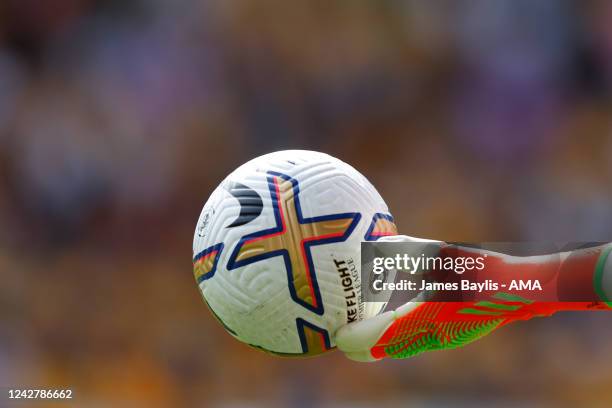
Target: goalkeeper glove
{"x":416,"y":327}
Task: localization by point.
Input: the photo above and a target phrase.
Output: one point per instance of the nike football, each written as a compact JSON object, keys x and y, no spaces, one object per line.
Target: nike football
{"x":277,"y":250}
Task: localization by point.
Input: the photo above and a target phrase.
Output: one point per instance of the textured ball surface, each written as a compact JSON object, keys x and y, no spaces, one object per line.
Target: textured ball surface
{"x":277,"y":250}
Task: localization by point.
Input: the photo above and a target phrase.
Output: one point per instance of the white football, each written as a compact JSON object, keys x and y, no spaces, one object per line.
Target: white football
{"x":277,"y":250}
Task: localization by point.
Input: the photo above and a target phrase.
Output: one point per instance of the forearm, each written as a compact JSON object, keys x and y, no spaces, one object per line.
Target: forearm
{"x":580,"y":276}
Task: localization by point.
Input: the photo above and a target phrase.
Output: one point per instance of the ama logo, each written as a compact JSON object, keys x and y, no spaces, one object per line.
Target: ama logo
{"x":528,"y":285}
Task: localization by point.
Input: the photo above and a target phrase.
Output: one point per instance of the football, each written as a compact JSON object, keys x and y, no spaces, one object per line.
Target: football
{"x":276,"y":250}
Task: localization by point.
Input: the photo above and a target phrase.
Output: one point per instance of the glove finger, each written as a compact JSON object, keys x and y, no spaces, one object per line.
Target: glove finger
{"x":358,"y":338}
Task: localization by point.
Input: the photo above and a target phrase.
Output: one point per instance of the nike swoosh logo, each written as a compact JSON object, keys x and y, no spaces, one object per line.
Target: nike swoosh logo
{"x":251,"y":204}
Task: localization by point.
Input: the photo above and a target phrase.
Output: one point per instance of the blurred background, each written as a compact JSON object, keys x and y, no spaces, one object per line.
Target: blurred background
{"x":481,"y":120}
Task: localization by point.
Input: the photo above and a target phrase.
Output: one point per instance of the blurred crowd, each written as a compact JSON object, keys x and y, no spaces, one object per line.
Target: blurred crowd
{"x":482,"y":120}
